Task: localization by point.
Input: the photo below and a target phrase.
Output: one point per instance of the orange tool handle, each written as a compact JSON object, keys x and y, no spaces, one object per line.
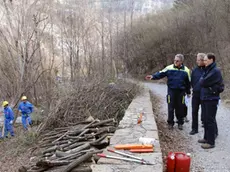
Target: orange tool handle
{"x":141,"y":150}
{"x":140,"y":119}
{"x":133,"y":146}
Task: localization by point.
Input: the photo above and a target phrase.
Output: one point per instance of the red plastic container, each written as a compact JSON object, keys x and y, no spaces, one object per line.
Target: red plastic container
{"x":171,"y":162}
{"x":178,"y":162}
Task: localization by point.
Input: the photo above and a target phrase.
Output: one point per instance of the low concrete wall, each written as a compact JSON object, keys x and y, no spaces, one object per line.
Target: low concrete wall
{"x":129,"y":132}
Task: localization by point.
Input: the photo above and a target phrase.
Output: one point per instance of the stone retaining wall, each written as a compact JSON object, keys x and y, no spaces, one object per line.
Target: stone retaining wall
{"x":129,"y":132}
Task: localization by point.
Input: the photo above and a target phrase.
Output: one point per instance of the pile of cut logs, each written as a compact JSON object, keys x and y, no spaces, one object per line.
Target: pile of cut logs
{"x":72,"y":149}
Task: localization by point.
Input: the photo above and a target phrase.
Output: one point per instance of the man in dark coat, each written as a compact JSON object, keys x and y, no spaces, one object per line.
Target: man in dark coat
{"x":211,"y":87}
{"x":197,"y":72}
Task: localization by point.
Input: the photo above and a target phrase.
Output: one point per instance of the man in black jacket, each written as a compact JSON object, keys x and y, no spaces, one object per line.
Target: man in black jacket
{"x":197,"y":72}
{"x":211,"y":87}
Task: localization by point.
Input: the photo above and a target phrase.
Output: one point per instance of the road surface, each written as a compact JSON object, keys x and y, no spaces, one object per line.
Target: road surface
{"x":212,"y":160}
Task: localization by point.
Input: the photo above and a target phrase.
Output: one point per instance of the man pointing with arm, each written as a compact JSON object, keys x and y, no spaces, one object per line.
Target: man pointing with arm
{"x":178,"y":85}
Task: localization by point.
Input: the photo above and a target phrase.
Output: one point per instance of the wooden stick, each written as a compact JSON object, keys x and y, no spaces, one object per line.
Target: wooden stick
{"x":51,"y":149}
{"x":74,"y":145}
{"x":103,"y":122}
{"x":98,"y":140}
{"x":78,"y":161}
{"x":47,"y":163}
{"x":84,"y":132}
{"x":80,"y":148}
{"x":89,"y":125}
{"x":61,"y":137}
{"x":60,"y":154}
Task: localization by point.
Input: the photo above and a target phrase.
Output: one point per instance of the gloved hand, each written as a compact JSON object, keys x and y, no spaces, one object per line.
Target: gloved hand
{"x":11,"y":122}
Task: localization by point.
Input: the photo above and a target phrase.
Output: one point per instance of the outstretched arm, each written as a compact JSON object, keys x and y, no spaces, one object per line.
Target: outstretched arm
{"x":158,"y":75}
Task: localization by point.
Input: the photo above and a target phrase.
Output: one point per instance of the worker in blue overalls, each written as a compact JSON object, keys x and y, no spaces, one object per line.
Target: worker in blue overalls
{"x":8,"y":119}
{"x":25,"y":108}
{"x":178,"y":86}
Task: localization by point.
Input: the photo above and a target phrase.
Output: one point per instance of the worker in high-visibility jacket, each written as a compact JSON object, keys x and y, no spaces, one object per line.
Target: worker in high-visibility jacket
{"x":25,"y":108}
{"x":8,"y":119}
{"x":178,"y":86}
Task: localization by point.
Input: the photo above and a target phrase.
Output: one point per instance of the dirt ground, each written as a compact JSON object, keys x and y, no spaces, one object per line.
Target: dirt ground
{"x":16,"y":151}
{"x":169,"y":140}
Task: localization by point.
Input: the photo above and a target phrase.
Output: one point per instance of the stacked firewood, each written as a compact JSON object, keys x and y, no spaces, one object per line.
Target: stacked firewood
{"x":72,"y":148}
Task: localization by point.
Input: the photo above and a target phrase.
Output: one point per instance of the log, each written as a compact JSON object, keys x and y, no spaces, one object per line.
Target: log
{"x":76,"y":132}
{"x":62,"y":128}
{"x":46,"y":145}
{"x":51,"y":133}
{"x":54,"y":136}
{"x":74,"y":146}
{"x":98,"y":140}
{"x":51,"y":138}
{"x":80,"y":148}
{"x":61,"y":137}
{"x":84,"y":132}
{"x":47,"y":163}
{"x":64,"y":146}
{"x":75,"y":155}
{"x":51,"y":149}
{"x":76,"y":138}
{"x":89,"y":125}
{"x":72,"y":156}
{"x":48,"y":155}
{"x":82,"y":122}
{"x":78,"y":161}
{"x":37,"y":169}
{"x":110,"y":129}
{"x":76,"y":141}
{"x":60,"y":154}
{"x":103,"y":122}
{"x":100,"y":132}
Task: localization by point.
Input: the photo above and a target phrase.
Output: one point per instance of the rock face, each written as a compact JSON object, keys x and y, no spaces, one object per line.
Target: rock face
{"x":130,"y":132}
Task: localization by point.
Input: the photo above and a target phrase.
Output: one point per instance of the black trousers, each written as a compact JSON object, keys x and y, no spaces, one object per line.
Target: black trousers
{"x":176,"y":103}
{"x":196,"y":102}
{"x":210,"y":124}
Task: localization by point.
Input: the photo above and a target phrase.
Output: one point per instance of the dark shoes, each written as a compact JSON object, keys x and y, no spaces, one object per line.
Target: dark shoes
{"x":193,"y":132}
{"x":186,"y":120}
{"x":202,"y":141}
{"x":180,"y":127}
{"x":207,"y":146}
{"x":170,"y":127}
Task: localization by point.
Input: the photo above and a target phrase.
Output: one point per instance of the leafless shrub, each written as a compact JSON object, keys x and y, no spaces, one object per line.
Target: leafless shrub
{"x":97,"y":99}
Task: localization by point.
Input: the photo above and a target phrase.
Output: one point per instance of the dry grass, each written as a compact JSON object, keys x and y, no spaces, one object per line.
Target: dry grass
{"x":17,"y":150}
